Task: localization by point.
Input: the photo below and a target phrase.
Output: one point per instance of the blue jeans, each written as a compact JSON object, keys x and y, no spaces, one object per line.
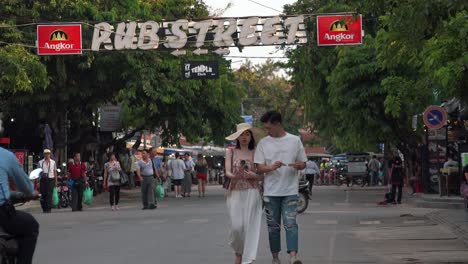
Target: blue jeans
{"x":282,"y":207}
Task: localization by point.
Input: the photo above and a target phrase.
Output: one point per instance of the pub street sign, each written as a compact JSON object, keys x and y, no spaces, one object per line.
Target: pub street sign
{"x":220,"y":33}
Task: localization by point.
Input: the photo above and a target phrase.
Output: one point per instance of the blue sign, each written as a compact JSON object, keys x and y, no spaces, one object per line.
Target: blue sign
{"x":435,"y":117}
{"x":248,"y":119}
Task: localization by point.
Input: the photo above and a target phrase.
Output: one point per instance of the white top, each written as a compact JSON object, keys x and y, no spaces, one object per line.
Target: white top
{"x":287,"y":149}
{"x":45,"y":166}
{"x":177,"y":167}
{"x":311,"y":168}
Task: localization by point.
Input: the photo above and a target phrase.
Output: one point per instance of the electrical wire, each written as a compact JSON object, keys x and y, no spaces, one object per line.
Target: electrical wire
{"x":269,"y":7}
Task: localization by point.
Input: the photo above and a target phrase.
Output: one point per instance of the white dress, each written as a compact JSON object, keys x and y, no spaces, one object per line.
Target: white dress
{"x":245,"y":213}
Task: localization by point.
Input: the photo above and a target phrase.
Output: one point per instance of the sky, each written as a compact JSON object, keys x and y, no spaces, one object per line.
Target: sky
{"x":248,"y":8}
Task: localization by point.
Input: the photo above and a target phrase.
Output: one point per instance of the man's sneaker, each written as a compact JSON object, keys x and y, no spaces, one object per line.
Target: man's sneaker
{"x":276,"y":261}
{"x":295,"y":260}
{"x":152,"y":206}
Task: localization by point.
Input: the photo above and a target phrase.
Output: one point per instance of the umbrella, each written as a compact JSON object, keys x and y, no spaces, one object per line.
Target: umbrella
{"x":48,"y":143}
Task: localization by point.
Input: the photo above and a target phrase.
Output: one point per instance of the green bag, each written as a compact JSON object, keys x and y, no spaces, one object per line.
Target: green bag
{"x":55,"y":198}
{"x":88,"y":196}
{"x":159,"y":191}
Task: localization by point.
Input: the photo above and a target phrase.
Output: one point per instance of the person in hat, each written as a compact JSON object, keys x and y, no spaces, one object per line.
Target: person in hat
{"x":280,"y":156}
{"x":48,"y":180}
{"x":243,"y":196}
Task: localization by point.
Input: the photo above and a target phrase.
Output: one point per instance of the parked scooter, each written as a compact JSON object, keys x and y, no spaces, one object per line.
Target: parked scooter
{"x":63,"y":190}
{"x":304,"y":196}
{"x":8,"y":243}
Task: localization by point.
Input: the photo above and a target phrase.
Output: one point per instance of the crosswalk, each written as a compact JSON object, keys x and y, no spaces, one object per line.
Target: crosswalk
{"x":318,"y":222}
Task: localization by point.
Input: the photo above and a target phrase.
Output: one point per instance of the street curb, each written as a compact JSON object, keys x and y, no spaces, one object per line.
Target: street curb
{"x":436,"y":217}
{"x":436,"y":202}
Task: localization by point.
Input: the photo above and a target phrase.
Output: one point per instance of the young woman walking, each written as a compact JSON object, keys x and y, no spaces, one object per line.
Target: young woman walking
{"x":112,"y":181}
{"x":243,"y":197}
{"x":201,"y":168}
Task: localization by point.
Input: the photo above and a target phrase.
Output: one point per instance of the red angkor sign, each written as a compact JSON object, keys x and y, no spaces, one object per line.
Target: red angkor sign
{"x":334,"y":30}
{"x":59,"y":39}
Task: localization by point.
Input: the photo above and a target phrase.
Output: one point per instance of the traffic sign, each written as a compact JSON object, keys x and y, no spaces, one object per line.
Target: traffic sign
{"x":435,"y":117}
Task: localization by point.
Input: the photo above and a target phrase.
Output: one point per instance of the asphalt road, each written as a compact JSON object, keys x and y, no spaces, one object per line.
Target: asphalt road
{"x":340,"y":226}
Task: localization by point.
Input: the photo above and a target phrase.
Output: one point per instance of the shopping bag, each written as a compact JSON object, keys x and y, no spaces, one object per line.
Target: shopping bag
{"x":123,"y":178}
{"x":55,"y":198}
{"x":88,"y":196}
{"x":159,"y":191}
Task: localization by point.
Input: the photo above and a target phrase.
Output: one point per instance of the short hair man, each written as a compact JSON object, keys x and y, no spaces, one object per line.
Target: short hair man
{"x":280,"y":156}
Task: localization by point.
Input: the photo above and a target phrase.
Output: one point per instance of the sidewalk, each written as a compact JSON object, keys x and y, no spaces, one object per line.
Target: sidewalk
{"x":455,"y":219}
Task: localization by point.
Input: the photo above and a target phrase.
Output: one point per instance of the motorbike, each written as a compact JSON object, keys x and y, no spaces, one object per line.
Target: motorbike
{"x":64,"y":192}
{"x":8,"y":243}
{"x":304,"y":196}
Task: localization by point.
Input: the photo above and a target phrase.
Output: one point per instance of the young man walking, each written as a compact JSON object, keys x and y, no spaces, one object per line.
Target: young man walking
{"x":77,"y":172}
{"x":280,"y":156}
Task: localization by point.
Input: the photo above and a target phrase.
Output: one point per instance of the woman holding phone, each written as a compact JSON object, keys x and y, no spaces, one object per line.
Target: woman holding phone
{"x":243,"y":196}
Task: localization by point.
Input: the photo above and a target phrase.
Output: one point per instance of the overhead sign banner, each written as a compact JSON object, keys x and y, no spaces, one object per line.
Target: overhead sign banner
{"x":335,"y":30}
{"x":218,"y":33}
{"x":196,"y":70}
{"x":59,"y":39}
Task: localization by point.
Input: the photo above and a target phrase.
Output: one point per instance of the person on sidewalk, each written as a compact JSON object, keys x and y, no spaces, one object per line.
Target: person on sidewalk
{"x":243,"y":198}
{"x":166,"y":171}
{"x":133,"y":167}
{"x":187,"y":182}
{"x":48,"y":181}
{"x":77,"y":173}
{"x":374,"y":166}
{"x":112,"y":181}
{"x":280,"y":156}
{"x":311,"y":170}
{"x":201,"y":168}
{"x":178,"y":173}
{"x":397,"y":180}
{"x":147,"y":174}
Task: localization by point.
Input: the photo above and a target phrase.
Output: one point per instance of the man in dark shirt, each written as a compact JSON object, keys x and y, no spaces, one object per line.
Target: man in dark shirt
{"x":77,"y":173}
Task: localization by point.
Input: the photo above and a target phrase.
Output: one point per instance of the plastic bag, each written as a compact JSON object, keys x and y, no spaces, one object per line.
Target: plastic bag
{"x":55,"y":198}
{"x":159,"y":191}
{"x":88,"y":196}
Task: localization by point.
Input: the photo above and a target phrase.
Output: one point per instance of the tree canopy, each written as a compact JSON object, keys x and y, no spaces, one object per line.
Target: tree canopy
{"x":147,"y":84}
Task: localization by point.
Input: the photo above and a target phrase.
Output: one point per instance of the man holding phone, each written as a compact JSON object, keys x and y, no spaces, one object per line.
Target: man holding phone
{"x":280,"y":156}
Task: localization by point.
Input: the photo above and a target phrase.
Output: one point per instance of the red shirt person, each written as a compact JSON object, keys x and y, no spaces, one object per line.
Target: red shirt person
{"x":77,"y":172}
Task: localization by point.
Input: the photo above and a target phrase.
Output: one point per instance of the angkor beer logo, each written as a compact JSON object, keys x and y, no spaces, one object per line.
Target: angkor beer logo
{"x":339,"y":26}
{"x":57,"y":38}
{"x":58,"y":35}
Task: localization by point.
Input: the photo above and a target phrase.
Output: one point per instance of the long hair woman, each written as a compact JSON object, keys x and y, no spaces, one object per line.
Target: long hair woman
{"x":243,"y":196}
{"x":112,"y":180}
{"x":201,"y":168}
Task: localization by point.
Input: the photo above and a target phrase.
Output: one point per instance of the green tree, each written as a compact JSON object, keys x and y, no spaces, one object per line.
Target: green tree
{"x":265,"y":88}
{"x":147,"y":84}
{"x":363,"y":95}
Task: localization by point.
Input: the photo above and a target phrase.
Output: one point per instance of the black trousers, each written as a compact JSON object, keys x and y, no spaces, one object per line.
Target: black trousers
{"x":46,"y":186}
{"x":25,"y":229}
{"x":394,"y":189}
{"x":114,"y":194}
{"x":310,"y":178}
{"x":77,"y":194}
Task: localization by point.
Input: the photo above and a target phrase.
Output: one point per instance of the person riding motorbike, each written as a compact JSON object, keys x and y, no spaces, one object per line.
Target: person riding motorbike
{"x":21,"y":225}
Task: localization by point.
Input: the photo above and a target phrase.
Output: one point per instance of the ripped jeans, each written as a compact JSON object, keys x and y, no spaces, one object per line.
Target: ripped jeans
{"x":282,"y":207}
